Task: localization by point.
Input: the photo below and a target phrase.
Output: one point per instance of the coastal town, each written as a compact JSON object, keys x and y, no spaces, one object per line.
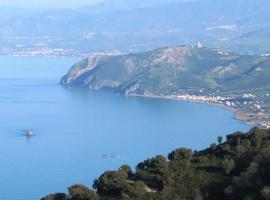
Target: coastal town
{"x":247,"y":106}
{"x":51,"y":52}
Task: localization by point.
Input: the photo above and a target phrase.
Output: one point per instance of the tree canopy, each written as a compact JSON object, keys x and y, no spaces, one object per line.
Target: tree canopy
{"x":238,"y":168}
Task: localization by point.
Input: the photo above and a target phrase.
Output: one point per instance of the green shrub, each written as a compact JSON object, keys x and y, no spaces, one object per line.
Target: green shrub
{"x":181,"y":154}
{"x":57,"y":196}
{"x":81,"y":192}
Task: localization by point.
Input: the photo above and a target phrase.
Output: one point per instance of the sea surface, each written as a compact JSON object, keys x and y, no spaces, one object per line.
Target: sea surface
{"x":79,"y":134}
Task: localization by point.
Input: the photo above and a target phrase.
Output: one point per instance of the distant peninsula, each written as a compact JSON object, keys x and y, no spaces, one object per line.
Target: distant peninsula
{"x":193,"y":73}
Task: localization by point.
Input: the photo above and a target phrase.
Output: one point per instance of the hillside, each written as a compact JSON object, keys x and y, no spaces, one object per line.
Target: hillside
{"x":238,"y":168}
{"x":211,"y":75}
{"x":170,"y":70}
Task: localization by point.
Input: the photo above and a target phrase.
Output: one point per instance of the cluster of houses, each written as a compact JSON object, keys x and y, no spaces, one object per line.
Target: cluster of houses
{"x":245,"y":101}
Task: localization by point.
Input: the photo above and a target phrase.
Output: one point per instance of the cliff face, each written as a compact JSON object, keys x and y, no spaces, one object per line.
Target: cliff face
{"x":79,"y":69}
{"x":170,"y":70}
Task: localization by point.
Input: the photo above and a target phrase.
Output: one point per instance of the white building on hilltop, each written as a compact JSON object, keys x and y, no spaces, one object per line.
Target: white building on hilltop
{"x":199,"y":45}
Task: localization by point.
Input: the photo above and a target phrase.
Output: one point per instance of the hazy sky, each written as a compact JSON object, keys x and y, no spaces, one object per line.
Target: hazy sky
{"x":47,"y":3}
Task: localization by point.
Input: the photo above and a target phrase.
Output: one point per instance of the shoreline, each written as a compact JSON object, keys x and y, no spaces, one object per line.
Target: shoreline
{"x":237,"y":114}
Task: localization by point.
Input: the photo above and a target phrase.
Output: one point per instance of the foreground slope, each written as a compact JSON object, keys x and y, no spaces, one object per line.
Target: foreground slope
{"x":237,"y":169}
{"x":185,"y":72}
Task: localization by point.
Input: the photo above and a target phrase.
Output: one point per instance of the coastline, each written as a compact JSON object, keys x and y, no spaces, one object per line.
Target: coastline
{"x":238,"y":114}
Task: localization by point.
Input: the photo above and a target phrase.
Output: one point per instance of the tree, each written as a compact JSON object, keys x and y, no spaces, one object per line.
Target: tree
{"x":236,"y":169}
{"x":57,"y":196}
{"x":134,"y":189}
{"x":220,"y":139}
{"x":228,"y":165}
{"x":153,"y":171}
{"x":213,"y":148}
{"x":111,"y":182}
{"x":126,"y":169}
{"x":265,"y":193}
{"x":81,"y":192}
{"x":181,"y":154}
{"x":253,"y":181}
{"x":226,"y":148}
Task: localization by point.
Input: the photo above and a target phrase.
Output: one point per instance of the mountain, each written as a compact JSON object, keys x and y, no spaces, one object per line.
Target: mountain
{"x":134,"y":25}
{"x":237,"y":168}
{"x":172,"y":69}
{"x":221,"y":77}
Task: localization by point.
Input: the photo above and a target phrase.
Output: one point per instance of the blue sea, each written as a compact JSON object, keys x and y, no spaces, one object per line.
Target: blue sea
{"x":79,"y":133}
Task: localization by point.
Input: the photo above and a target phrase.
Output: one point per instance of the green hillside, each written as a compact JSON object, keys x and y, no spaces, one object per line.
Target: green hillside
{"x":238,"y":168}
{"x":184,"y":72}
{"x":169,"y":70}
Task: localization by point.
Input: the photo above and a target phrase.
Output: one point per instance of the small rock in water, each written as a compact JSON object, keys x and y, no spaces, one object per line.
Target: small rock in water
{"x":29,"y":134}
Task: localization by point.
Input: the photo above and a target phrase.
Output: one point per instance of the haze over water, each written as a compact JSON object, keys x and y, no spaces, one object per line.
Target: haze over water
{"x":79,"y":134}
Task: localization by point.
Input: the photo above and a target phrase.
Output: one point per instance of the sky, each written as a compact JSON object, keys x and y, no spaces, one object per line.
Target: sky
{"x":47,"y":3}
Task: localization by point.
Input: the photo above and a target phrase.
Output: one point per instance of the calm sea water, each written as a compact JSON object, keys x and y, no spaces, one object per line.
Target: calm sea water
{"x":80,"y":134}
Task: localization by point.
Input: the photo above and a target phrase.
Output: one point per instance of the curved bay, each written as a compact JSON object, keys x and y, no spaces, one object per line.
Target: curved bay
{"x":79,"y":134}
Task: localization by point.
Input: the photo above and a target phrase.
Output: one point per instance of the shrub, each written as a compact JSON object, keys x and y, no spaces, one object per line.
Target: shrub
{"x":181,"y":154}
{"x":57,"y":196}
{"x":228,"y":165}
{"x":220,"y":139}
{"x":111,"y":182}
{"x":126,"y":169}
{"x":81,"y":192}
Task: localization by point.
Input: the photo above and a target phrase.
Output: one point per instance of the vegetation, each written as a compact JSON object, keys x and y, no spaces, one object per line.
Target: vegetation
{"x":169,"y":70}
{"x":195,"y":73}
{"x":238,"y":168}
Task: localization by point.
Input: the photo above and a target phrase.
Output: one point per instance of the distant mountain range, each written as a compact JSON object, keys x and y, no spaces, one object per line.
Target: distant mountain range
{"x":134,"y":25}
